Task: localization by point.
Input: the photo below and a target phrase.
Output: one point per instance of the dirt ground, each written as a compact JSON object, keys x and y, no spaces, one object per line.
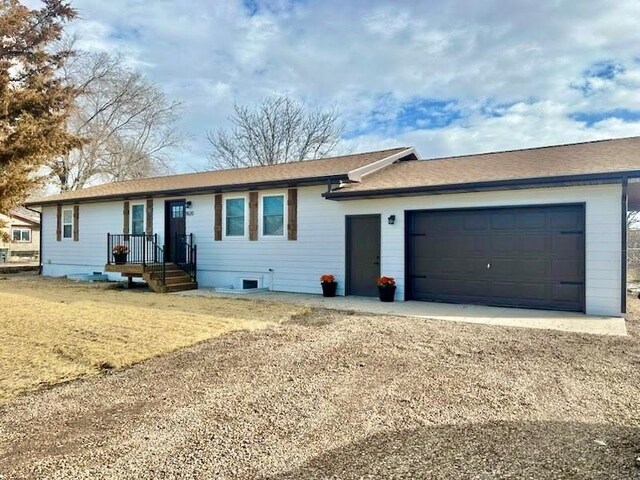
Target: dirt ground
{"x":339,"y":395}
{"x":54,"y":330}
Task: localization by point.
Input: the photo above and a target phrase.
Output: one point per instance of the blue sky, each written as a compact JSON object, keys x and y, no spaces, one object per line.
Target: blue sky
{"x":450,"y":77}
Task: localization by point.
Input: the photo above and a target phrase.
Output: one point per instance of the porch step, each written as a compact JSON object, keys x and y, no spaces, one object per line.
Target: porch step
{"x":175,"y":280}
{"x":180,"y":287}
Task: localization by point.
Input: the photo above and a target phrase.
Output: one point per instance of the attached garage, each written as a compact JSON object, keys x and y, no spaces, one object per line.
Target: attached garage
{"x":529,"y":257}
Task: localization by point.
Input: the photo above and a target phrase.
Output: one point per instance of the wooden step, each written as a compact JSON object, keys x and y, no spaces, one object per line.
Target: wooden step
{"x":179,"y":287}
{"x":177,"y":279}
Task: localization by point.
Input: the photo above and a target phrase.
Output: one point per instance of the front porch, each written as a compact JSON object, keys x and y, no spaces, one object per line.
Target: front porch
{"x":140,"y":256}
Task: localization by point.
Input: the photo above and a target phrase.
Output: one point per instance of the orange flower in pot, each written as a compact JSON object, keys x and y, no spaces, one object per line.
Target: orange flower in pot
{"x":329,"y":285}
{"x":386,"y":289}
{"x":120,"y":253}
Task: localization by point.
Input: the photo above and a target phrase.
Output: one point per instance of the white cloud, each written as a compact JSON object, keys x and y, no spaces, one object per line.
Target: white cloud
{"x":525,"y":57}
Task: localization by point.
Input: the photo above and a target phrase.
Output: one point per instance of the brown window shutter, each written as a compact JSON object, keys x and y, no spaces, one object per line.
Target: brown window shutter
{"x":149,"y":216}
{"x":76,"y":222}
{"x":59,"y":223}
{"x":253,"y":215}
{"x":217,"y":221}
{"x":125,"y":216}
{"x":292,"y":214}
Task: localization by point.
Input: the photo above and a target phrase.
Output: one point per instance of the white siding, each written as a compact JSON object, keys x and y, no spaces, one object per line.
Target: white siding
{"x":297,"y":265}
{"x":602,"y":231}
{"x":89,"y":253}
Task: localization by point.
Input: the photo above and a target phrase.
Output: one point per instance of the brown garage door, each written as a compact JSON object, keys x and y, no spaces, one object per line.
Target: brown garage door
{"x":529,"y":257}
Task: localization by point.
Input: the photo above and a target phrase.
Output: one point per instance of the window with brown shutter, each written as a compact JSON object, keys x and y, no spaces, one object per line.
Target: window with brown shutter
{"x":76,"y":222}
{"x":292,"y":217}
{"x":217,"y":230}
{"x":149,"y":216}
{"x":125,"y":218}
{"x":253,"y":215}
{"x":59,"y":223}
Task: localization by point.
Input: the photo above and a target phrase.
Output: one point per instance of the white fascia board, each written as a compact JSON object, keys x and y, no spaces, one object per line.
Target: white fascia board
{"x":357,"y":174}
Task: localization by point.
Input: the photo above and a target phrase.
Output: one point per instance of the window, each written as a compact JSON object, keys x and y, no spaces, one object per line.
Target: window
{"x":235,"y":217}
{"x":67,"y":223}
{"x":21,"y":234}
{"x":137,"y":219}
{"x":273,"y":215}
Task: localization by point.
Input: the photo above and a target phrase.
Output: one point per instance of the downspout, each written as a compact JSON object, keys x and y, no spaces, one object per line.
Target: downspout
{"x":623,"y":245}
{"x":40,"y":259}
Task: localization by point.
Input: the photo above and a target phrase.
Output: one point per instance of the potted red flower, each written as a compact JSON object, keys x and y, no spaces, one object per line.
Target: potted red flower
{"x":120,"y":253}
{"x":386,"y":289}
{"x":329,"y":285}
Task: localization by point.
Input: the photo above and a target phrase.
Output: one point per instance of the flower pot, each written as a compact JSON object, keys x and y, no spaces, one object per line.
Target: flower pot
{"x":120,"y":258}
{"x":387,"y":294}
{"x":329,"y":289}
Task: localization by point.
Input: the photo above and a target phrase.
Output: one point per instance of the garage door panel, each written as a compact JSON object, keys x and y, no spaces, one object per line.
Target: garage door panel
{"x":532,"y":220}
{"x":536,"y":256}
{"x":565,"y":219}
{"x":535,"y":292}
{"x":567,"y":269}
{"x":534,"y":244}
{"x":505,"y":220}
{"x":504,"y":244}
{"x":534,"y":268}
{"x":567,"y":246}
{"x":471,"y":223}
{"x":568,"y":293}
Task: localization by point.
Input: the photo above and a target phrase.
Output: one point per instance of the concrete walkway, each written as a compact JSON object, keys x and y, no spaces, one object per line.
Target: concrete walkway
{"x":511,"y":317}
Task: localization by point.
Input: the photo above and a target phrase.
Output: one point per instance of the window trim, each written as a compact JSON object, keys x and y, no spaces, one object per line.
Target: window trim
{"x":245,"y":225}
{"x":261,"y":222}
{"x":21,"y":229}
{"x":144,"y":217}
{"x":64,"y":224}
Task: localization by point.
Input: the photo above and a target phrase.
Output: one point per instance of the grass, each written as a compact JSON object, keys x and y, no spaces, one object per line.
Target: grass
{"x":55,"y":331}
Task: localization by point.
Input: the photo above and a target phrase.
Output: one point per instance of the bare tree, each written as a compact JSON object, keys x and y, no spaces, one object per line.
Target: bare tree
{"x":277,"y":130}
{"x":128,"y":124}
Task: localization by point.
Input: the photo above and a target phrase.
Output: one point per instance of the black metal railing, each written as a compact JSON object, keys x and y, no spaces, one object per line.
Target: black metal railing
{"x":158,"y":269}
{"x":186,"y":255}
{"x":128,"y":248}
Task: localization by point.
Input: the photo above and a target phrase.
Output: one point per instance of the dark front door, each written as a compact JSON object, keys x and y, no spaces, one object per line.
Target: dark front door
{"x":530,"y":257}
{"x":175,"y":228}
{"x":363,"y":255}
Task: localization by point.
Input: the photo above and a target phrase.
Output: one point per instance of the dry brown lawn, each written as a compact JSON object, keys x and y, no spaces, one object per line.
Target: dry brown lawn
{"x":54,"y":330}
{"x":341,"y":395}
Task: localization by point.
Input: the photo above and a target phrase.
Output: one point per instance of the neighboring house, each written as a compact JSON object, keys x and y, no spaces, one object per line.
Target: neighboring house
{"x":538,"y":228}
{"x":23,"y":230}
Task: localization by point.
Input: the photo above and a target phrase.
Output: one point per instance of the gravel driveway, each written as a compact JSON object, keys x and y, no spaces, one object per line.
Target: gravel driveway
{"x":334,"y":395}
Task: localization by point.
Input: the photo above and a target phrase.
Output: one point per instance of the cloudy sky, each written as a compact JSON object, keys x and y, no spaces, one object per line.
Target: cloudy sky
{"x":449,"y":77}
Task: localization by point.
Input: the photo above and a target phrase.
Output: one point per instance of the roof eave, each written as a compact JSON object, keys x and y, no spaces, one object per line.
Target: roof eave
{"x":538,"y":182}
{"x":289,"y":183}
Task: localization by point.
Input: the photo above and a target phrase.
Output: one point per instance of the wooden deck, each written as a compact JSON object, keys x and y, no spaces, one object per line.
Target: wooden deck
{"x":126,"y":269}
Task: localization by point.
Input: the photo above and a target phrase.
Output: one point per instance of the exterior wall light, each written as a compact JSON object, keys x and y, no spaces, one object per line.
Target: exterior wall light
{"x":391,"y":219}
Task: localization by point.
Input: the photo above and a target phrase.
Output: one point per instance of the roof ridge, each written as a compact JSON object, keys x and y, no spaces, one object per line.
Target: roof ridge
{"x":497,"y":152}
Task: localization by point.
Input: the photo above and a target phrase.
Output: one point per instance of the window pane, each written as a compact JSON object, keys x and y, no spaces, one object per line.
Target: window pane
{"x":235,"y":226}
{"x":273,"y":205}
{"x":235,"y":216}
{"x":67,"y":216}
{"x":273,"y":225}
{"x":137,"y":219}
{"x":16,"y":235}
{"x":66,"y":233}
{"x":177,"y":211}
{"x":235,"y":207}
{"x":273,"y":215}
{"x":26,"y":235}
